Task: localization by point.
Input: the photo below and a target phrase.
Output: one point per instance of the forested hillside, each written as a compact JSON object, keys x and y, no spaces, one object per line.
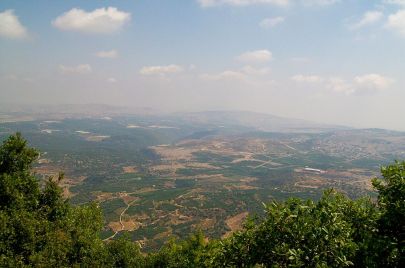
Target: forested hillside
{"x":39,"y":228}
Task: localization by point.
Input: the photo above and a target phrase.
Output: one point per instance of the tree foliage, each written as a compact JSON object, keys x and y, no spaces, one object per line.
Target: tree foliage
{"x":391,"y":203}
{"x":38,"y":227}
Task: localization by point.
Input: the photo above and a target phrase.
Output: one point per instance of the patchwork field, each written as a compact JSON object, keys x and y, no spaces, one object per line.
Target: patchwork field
{"x":162,"y":177}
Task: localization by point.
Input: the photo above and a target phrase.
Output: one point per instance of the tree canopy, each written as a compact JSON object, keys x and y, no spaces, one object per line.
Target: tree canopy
{"x":38,"y":227}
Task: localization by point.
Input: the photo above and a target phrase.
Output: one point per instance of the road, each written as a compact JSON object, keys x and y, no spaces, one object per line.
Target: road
{"x":122,"y":225}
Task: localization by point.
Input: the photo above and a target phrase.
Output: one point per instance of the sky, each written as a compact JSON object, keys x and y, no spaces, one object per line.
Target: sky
{"x":328,"y":61}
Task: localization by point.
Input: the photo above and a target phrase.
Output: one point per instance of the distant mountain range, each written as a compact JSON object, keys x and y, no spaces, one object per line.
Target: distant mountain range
{"x":245,"y":119}
{"x":257,"y":121}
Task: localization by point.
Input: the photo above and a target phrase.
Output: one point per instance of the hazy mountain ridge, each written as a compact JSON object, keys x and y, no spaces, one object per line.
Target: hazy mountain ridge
{"x":259,"y":121}
{"x":209,"y":119}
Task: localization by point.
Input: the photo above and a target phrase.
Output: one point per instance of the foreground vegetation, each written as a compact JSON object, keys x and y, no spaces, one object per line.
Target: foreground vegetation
{"x":38,"y":227}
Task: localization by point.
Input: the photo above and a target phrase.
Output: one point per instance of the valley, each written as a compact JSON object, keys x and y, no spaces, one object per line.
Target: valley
{"x":161,"y":177}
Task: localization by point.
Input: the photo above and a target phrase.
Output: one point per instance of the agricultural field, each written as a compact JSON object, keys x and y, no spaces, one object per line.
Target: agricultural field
{"x":161,"y":177}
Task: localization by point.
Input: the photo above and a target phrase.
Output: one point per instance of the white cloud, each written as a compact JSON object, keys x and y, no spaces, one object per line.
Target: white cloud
{"x":79,"y":69}
{"x":111,"y":80}
{"x":372,"y":82}
{"x":161,"y":70}
{"x":225,"y":75}
{"x":280,"y":3}
{"x":340,"y":85}
{"x":212,"y":3}
{"x":247,"y":74}
{"x":319,"y":2}
{"x":249,"y":70}
{"x":368,"y":18}
{"x":257,"y":56}
{"x":271,"y":22}
{"x":110,"y":54}
{"x":395,"y":2}
{"x":396,"y":22}
{"x":101,"y":21}
{"x":10,"y":26}
{"x":307,"y":78}
{"x":362,"y":84}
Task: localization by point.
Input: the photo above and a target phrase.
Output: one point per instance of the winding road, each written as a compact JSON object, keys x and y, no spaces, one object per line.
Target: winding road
{"x":122,"y":225}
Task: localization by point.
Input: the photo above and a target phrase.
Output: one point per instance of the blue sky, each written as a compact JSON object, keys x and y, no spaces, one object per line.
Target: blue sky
{"x":329,"y":61}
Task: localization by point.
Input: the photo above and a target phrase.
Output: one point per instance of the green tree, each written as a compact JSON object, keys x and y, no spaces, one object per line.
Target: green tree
{"x":295,"y":234}
{"x":125,"y":253}
{"x":192,"y":252}
{"x":37,"y":225}
{"x":391,"y":224}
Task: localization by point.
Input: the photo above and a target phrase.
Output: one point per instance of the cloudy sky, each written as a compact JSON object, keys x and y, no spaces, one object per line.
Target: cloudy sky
{"x":332,"y":61}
